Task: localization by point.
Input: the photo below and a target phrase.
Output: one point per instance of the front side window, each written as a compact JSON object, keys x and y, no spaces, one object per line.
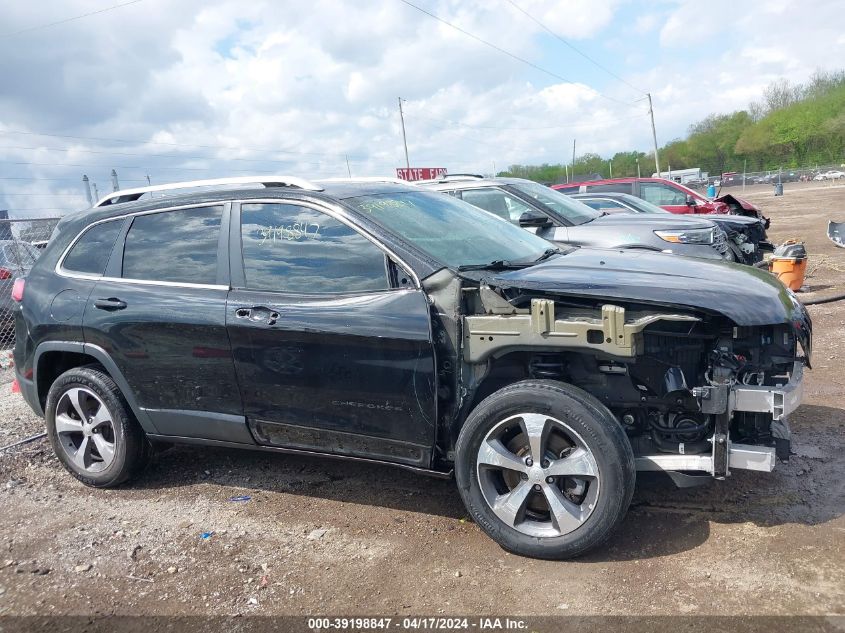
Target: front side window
{"x":290,"y":248}
{"x":662,"y":195}
{"x":497,"y":202}
{"x":91,"y":252}
{"x":175,"y":246}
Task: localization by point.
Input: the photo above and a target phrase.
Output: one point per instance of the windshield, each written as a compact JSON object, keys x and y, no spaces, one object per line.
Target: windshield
{"x":572,"y":210}
{"x":449,"y":230}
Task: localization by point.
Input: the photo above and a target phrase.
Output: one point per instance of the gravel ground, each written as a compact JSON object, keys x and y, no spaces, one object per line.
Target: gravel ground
{"x":321,"y":536}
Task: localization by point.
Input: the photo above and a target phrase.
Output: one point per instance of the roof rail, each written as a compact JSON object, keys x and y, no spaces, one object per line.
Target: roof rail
{"x":391,"y":179}
{"x":450,"y":178}
{"x":130,"y":195}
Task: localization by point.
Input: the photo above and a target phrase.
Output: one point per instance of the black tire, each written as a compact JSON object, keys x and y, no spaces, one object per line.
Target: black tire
{"x":600,"y":432}
{"x":132,"y":450}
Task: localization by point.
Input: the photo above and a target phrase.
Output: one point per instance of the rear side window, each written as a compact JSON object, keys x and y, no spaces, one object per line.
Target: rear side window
{"x":176,"y":246}
{"x":616,"y":187}
{"x":91,"y":252}
{"x":289,"y":248}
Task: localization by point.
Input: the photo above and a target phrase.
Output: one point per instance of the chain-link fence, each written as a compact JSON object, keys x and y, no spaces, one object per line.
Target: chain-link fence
{"x":21,"y":243}
{"x":822,"y":174}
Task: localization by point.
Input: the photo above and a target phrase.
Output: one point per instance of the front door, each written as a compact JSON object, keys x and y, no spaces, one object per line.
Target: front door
{"x":332,"y":348}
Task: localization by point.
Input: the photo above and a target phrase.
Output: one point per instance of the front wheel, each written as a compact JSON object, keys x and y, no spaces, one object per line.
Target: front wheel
{"x":545,"y":469}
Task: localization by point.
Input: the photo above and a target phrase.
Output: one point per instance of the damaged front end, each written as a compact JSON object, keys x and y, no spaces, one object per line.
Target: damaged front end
{"x":695,"y":392}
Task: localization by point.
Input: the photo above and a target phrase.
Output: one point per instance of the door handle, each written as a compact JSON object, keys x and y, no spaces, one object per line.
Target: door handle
{"x":258,"y":314}
{"x":111,"y":304}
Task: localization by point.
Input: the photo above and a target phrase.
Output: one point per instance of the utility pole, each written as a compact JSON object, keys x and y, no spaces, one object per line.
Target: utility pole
{"x":653,"y":135}
{"x":149,"y":182}
{"x":404,"y":138}
{"x":87,"y":186}
{"x":96,"y":193}
{"x":114,"y":182}
{"x":348,"y":170}
{"x":638,"y":167}
{"x":610,"y":164}
{"x":573,"y":159}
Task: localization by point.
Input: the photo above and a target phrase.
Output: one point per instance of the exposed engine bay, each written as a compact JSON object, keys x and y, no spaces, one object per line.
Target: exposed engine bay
{"x":687,"y":386}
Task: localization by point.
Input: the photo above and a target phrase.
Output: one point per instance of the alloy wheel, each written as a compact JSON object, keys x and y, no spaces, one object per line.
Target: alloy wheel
{"x":85,"y":429}
{"x":538,"y":475}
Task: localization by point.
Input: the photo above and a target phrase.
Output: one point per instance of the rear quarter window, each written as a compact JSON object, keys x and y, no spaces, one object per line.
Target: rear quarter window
{"x":91,"y":252}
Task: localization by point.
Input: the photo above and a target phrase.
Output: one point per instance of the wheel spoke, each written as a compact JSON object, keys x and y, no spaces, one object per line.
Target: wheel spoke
{"x":73,"y":395}
{"x":105,"y":448}
{"x":494,"y":453}
{"x":101,"y":417}
{"x":579,"y":463}
{"x":82,"y":457}
{"x":510,"y":507}
{"x":534,"y":425}
{"x":565,"y":515}
{"x":66,"y":424}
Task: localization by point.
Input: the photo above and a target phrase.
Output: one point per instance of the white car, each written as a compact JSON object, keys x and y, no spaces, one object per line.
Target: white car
{"x":833,"y":174}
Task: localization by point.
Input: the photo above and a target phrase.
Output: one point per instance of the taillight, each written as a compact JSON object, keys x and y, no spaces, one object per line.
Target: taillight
{"x":17,"y":289}
{"x":5,"y":273}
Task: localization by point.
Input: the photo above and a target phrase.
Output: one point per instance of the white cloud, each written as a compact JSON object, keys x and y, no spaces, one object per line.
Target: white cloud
{"x":210,"y":88}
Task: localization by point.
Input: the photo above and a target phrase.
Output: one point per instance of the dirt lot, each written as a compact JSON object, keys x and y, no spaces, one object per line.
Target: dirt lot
{"x":319,"y":536}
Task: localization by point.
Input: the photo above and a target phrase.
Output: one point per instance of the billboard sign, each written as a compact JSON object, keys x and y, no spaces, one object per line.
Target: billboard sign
{"x":420,"y":173}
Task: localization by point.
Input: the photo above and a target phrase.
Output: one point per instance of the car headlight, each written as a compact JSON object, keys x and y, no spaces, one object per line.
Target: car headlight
{"x":690,"y":236}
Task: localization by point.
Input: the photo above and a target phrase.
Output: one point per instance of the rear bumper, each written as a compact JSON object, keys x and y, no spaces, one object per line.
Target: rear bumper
{"x":29,"y":393}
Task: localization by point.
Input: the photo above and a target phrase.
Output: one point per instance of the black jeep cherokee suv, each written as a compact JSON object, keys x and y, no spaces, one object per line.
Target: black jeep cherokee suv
{"x":381,"y":322}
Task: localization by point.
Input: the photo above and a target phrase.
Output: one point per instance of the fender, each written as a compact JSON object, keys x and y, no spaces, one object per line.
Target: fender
{"x":102,"y":357}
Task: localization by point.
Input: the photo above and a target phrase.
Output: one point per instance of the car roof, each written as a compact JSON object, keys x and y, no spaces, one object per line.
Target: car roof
{"x":329,"y":191}
{"x":608,"y":181}
{"x":447,"y":184}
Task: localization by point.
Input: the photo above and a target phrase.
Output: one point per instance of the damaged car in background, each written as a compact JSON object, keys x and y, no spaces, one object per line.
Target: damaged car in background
{"x":382,"y":322}
{"x":746,"y":236}
{"x":560,"y":219}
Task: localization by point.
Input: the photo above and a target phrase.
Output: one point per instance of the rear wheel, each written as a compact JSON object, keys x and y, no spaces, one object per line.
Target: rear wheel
{"x":92,"y":429}
{"x":545,"y":469}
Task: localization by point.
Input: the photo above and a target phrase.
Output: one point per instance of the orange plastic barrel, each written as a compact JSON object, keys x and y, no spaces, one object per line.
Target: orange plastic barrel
{"x":790,"y":270}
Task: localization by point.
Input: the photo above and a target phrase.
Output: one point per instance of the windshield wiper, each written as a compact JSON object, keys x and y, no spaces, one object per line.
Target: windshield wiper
{"x":498,"y":264}
{"x":547,"y":253}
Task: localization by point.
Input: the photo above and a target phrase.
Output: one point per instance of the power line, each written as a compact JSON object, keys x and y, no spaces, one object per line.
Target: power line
{"x":148,"y":168}
{"x":173,"y":156}
{"x":505,"y":52}
{"x":140,"y":142}
{"x":572,"y":46}
{"x":66,"y":20}
{"x":548,"y":127}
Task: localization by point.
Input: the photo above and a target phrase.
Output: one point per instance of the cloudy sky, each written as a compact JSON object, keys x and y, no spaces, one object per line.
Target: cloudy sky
{"x":187,"y":89}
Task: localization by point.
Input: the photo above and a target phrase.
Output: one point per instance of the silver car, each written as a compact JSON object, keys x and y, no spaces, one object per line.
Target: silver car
{"x":559,"y":218}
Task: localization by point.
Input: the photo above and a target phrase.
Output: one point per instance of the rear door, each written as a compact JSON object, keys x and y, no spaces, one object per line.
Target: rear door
{"x":160,"y":313}
{"x":331,"y":340}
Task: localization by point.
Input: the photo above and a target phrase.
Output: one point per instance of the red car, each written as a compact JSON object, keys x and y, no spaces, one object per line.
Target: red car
{"x":670,"y":195}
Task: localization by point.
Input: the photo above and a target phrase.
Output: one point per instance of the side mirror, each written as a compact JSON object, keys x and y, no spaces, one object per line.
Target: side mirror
{"x":690,"y":201}
{"x":534,"y":220}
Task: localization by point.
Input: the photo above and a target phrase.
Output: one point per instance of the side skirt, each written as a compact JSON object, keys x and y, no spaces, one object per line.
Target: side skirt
{"x":296,"y":451}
